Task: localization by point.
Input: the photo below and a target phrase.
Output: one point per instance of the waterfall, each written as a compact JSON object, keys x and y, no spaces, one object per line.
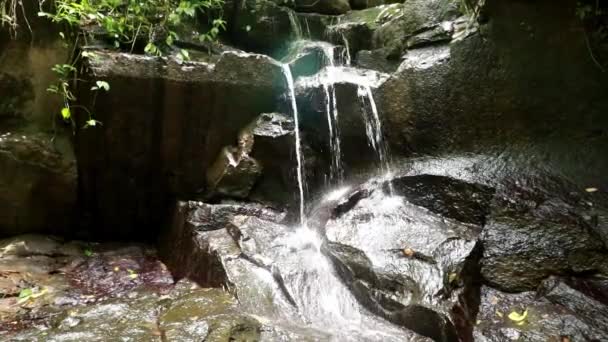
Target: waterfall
{"x":298,"y":143}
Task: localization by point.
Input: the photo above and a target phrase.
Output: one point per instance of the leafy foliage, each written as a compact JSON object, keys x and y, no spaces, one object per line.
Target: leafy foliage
{"x":127,"y":24}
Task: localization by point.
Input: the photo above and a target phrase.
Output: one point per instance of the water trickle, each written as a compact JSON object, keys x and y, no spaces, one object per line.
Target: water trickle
{"x":331,"y":109}
{"x":295,"y":25}
{"x":298,"y":143}
{"x":346,"y":53}
{"x":373,"y":128}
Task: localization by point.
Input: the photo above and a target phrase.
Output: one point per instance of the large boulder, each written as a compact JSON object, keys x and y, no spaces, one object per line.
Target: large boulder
{"x":38,"y":187}
{"x":402,"y":255}
{"x":154,"y":141}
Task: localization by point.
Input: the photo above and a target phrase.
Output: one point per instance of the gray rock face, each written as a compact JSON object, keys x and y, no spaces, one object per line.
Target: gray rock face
{"x":428,"y":102}
{"x":560,"y":309}
{"x":155,"y":141}
{"x":37,"y":187}
{"x":307,"y":58}
{"x":323,"y":6}
{"x":525,"y":242}
{"x":414,"y":17}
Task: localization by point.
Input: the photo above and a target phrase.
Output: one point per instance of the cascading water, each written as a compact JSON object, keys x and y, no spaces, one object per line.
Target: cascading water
{"x":298,"y":142}
{"x":312,"y":291}
{"x":336,"y":170}
{"x":373,"y":127}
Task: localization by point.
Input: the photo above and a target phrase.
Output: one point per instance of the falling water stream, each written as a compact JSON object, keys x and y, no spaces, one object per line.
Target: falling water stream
{"x":310,"y":283}
{"x":298,"y":143}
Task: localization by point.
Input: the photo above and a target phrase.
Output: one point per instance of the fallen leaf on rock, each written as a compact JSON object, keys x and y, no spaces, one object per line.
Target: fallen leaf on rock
{"x":452,"y":277}
{"x":516,"y":317}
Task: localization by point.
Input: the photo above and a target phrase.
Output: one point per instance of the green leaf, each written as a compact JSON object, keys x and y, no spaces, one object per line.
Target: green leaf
{"x":66,"y":113}
{"x":25,"y":293}
{"x":88,"y":252}
{"x":185,"y":54}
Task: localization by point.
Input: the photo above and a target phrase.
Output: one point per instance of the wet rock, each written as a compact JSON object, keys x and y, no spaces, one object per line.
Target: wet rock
{"x":375,"y":60}
{"x":464,"y":202}
{"x":402,"y":255}
{"x":201,"y":257}
{"x":154,"y":144}
{"x":279,"y":275}
{"x":37,"y":188}
{"x":233,"y":174}
{"x":270,"y":140}
{"x":438,"y":34}
{"x":259,"y":25}
{"x":45,"y":283}
{"x":356,"y":29}
{"x":527,"y":241}
{"x":413,"y":17}
{"x":352,"y":101}
{"x":485,"y":64}
{"x":334,"y":7}
{"x":307,"y":58}
{"x":561,"y":313}
{"x":16,"y":94}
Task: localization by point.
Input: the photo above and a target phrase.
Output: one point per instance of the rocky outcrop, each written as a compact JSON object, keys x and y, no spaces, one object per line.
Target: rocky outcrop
{"x":38,"y":186}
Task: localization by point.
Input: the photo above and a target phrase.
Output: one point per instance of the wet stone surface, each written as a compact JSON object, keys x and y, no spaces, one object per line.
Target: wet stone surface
{"x":558,"y":311}
{"x":53,"y":290}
